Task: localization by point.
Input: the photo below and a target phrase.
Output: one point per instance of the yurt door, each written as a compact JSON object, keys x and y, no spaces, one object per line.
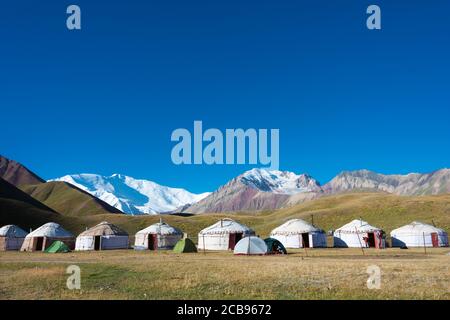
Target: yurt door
{"x":97,"y":240}
{"x":39,"y":243}
{"x":371,"y":240}
{"x":234,"y":238}
{"x":305,"y":240}
{"x":377,"y":239}
{"x":153,"y":242}
{"x":435,"y":240}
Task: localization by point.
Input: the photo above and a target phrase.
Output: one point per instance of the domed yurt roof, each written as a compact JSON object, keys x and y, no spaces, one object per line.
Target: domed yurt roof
{"x":104,"y":229}
{"x":357,"y":226}
{"x":12,"y":231}
{"x":226,"y":226}
{"x":160,"y":228}
{"x":51,"y":230}
{"x":295,"y":226}
{"x":417,"y":227}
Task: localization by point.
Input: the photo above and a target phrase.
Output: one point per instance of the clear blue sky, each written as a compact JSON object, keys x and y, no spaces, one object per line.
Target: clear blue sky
{"x":106,"y":99}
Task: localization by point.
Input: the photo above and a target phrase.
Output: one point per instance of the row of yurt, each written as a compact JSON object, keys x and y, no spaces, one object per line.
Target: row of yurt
{"x":223,"y":235}
{"x":359,"y":234}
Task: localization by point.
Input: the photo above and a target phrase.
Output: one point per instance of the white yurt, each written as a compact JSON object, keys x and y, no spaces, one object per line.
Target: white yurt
{"x":41,"y":238}
{"x":359,"y":234}
{"x":159,"y":236}
{"x":250,"y":246}
{"x":418,"y":234}
{"x":223,"y":235}
{"x":297,"y":233}
{"x":11,"y":237}
{"x":104,"y":236}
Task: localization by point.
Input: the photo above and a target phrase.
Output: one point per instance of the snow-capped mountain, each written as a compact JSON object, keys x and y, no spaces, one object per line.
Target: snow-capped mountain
{"x":258,"y":189}
{"x":133,"y":196}
{"x":280,"y":182}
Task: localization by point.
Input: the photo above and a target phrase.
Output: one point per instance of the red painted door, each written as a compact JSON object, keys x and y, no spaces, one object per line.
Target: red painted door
{"x":435,"y":240}
{"x":232,"y":241}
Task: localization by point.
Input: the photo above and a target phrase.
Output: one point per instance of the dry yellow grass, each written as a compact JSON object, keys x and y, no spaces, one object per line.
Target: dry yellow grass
{"x":315,"y":274}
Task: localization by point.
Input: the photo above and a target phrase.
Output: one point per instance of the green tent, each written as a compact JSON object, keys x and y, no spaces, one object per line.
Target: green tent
{"x":274,"y":246}
{"x":184,"y":246}
{"x":56,"y":247}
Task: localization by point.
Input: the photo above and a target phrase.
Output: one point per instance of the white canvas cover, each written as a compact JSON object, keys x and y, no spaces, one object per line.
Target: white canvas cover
{"x":418,"y":234}
{"x":290,"y":234}
{"x":108,"y":242}
{"x":167,"y":236}
{"x":352,"y":234}
{"x":50,"y":230}
{"x":12,"y":231}
{"x":110,"y":237}
{"x":217,"y":236}
{"x":250,"y":246}
{"x":11,"y":237}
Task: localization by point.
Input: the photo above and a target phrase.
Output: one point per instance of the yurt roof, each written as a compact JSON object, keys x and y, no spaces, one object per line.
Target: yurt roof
{"x":357,"y":225}
{"x":160,"y":228}
{"x":12,"y":231}
{"x":52,"y":230}
{"x":417,"y":227}
{"x":104,"y":229}
{"x":226,"y":226}
{"x":295,"y":226}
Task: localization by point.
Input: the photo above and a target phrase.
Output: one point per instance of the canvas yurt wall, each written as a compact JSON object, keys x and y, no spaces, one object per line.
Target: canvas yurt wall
{"x":297,"y":233}
{"x":223,"y":235}
{"x":104,"y":236}
{"x":418,"y":234}
{"x":250,"y":246}
{"x":357,"y":234}
{"x":159,"y":236}
{"x":41,"y":238}
{"x":11,"y":237}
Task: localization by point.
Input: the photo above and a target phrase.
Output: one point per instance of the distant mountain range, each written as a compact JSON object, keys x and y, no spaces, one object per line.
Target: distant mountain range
{"x":257,"y":189}
{"x":133,"y":196}
{"x":260,"y":189}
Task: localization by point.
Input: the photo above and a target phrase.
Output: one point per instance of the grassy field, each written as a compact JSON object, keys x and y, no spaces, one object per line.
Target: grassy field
{"x":314,"y":274}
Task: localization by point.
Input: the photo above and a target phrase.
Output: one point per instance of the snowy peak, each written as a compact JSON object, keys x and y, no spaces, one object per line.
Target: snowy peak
{"x":279,"y":182}
{"x":133,"y":196}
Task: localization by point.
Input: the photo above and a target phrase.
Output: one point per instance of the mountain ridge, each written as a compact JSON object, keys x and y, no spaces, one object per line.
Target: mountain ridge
{"x":240,"y":195}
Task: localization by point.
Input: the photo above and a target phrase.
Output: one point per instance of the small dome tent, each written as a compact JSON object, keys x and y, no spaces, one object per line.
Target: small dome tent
{"x":251,"y":245}
{"x":274,"y":246}
{"x":297,"y":233}
{"x":11,"y":237}
{"x":185,"y":246}
{"x":104,"y":236}
{"x":159,"y":236}
{"x":223,"y":235}
{"x":418,"y":234}
{"x":57,"y":247}
{"x":357,"y":234}
{"x":42,"y":238}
